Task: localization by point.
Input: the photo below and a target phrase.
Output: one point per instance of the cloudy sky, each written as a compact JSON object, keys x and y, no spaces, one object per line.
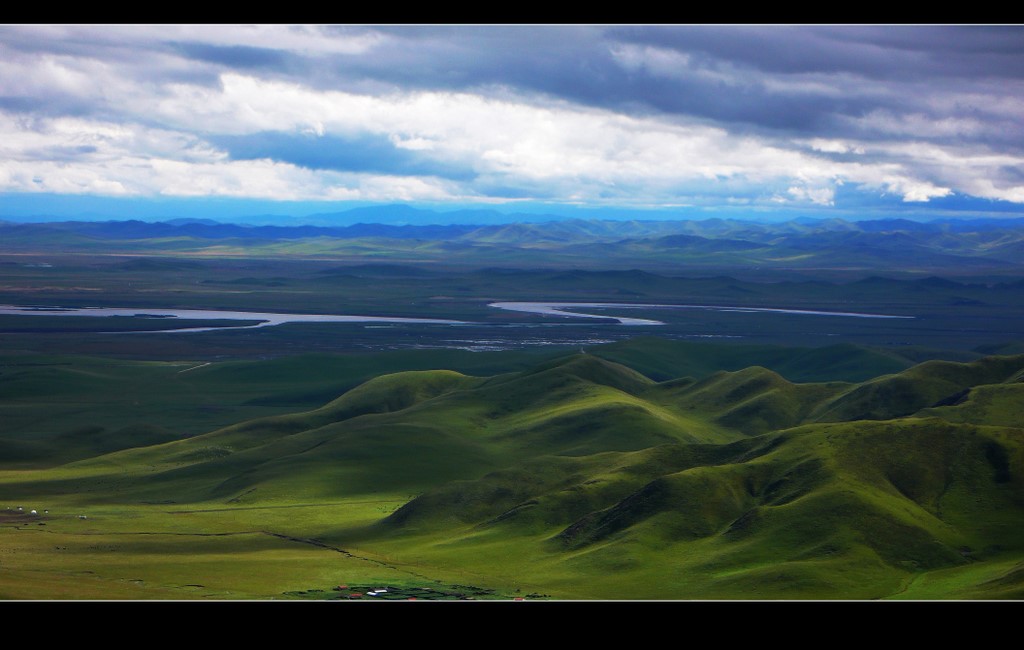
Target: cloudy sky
{"x":868,"y":120}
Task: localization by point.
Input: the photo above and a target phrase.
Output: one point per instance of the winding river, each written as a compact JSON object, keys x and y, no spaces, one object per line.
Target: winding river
{"x":269,"y":319}
{"x":562,"y":309}
{"x":266,"y":319}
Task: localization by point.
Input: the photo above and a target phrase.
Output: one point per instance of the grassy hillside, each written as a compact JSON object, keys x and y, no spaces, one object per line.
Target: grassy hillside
{"x":577,"y":477}
{"x":57,"y":408}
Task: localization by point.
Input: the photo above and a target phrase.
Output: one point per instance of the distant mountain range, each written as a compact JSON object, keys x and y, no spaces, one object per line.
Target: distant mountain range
{"x":970,"y":244}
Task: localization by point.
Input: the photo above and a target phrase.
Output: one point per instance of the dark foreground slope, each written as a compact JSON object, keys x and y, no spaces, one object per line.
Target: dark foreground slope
{"x":582,"y":478}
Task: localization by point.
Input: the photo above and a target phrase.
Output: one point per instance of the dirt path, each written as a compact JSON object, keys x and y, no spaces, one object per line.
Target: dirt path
{"x":292,"y":505}
{"x":319,"y":544}
{"x":194,"y":367}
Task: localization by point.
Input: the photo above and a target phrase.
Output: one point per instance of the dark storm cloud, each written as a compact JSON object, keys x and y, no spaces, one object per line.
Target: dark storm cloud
{"x":796,"y":80}
{"x":61,"y":153}
{"x":360,"y":153}
{"x":32,"y":107}
{"x":819,"y":81}
{"x":59,"y":41}
{"x":918,"y":112}
{"x":555,"y":60}
{"x":30,"y":54}
{"x":22,"y":104}
{"x":234,"y":56}
{"x":792,"y":79}
{"x":1014,"y":174}
{"x":69,"y":153}
{"x":968,"y":51}
{"x":891,"y":52}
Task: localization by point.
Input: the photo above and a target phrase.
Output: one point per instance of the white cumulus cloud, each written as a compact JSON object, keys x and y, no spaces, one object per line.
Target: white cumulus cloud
{"x":120,"y":109}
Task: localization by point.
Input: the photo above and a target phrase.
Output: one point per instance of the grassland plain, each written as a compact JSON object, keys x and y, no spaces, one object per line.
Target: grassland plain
{"x":945,"y":315}
{"x":576,"y":477}
{"x":724,"y":455}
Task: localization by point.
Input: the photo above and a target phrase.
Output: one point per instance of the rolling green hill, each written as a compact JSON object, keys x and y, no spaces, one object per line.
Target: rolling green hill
{"x":578,"y":477}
